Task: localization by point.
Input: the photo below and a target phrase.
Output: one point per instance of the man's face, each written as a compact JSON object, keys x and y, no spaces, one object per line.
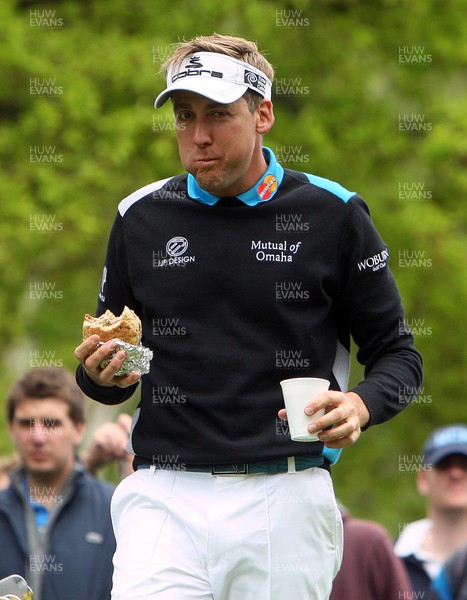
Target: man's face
{"x":446,"y":484}
{"x":45,"y":436}
{"x":220,"y":144}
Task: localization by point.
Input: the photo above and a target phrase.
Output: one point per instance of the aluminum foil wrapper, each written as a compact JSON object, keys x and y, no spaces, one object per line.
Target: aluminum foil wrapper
{"x":138,"y":358}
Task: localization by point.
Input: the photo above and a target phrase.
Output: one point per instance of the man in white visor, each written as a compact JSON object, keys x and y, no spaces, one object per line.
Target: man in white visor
{"x":223,"y":505}
{"x":225,"y":79}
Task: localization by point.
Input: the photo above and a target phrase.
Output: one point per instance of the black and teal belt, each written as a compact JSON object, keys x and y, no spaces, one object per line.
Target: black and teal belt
{"x":280,"y":465}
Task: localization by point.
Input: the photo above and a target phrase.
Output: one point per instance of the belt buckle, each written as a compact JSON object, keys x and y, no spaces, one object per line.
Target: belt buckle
{"x":241,"y":469}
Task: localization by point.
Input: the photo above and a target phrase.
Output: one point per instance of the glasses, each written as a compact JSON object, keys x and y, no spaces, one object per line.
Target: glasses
{"x":452,"y":461}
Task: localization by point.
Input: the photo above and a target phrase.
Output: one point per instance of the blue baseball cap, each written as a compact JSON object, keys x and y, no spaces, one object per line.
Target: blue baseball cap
{"x":444,"y":441}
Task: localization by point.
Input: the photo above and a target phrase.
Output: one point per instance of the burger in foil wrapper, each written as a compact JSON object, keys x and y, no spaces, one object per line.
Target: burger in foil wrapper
{"x":126,"y":331}
{"x":137,"y":358}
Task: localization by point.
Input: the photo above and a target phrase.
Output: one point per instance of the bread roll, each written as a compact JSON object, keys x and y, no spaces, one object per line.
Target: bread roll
{"x":126,"y":327}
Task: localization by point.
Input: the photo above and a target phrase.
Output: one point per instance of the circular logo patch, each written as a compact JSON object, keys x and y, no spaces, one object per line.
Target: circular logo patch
{"x":267,"y":187}
{"x":176,"y":246}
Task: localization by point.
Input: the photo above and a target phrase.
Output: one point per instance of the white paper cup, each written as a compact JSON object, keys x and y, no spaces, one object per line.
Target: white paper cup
{"x":297,"y":393}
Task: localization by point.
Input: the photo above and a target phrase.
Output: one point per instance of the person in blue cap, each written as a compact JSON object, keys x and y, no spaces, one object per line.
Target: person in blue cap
{"x":426,"y":544}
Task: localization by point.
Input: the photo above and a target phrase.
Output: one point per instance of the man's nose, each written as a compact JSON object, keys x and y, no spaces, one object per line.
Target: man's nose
{"x":38,"y":434}
{"x":201,"y":133}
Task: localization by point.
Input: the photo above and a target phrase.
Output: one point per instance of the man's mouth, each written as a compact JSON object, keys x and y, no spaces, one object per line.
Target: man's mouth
{"x":205,"y":161}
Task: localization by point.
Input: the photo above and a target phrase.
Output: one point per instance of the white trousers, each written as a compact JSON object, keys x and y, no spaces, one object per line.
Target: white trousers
{"x":186,"y":536}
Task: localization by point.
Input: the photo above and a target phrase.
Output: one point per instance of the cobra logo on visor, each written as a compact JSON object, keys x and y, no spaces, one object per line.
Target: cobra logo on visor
{"x":254,"y":80}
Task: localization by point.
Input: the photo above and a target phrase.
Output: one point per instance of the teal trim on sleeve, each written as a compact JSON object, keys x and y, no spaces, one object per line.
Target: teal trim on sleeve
{"x":331,"y":454}
{"x":330,"y":186}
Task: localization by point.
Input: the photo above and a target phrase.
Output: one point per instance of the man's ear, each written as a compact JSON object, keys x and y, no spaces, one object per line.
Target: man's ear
{"x":265,"y":117}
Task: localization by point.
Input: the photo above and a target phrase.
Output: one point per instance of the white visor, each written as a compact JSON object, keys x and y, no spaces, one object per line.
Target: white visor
{"x":216,"y":76}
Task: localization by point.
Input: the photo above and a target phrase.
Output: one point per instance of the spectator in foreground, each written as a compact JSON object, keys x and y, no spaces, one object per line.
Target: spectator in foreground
{"x":107,"y":445}
{"x":55,"y":522}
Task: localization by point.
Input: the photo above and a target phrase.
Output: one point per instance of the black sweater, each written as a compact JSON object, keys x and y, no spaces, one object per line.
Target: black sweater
{"x":234,"y":298}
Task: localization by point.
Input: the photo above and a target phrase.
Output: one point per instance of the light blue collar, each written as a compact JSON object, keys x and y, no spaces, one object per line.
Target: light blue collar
{"x":262,"y":191}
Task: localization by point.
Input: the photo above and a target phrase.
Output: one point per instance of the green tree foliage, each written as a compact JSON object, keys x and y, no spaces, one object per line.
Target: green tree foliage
{"x":371,"y":94}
